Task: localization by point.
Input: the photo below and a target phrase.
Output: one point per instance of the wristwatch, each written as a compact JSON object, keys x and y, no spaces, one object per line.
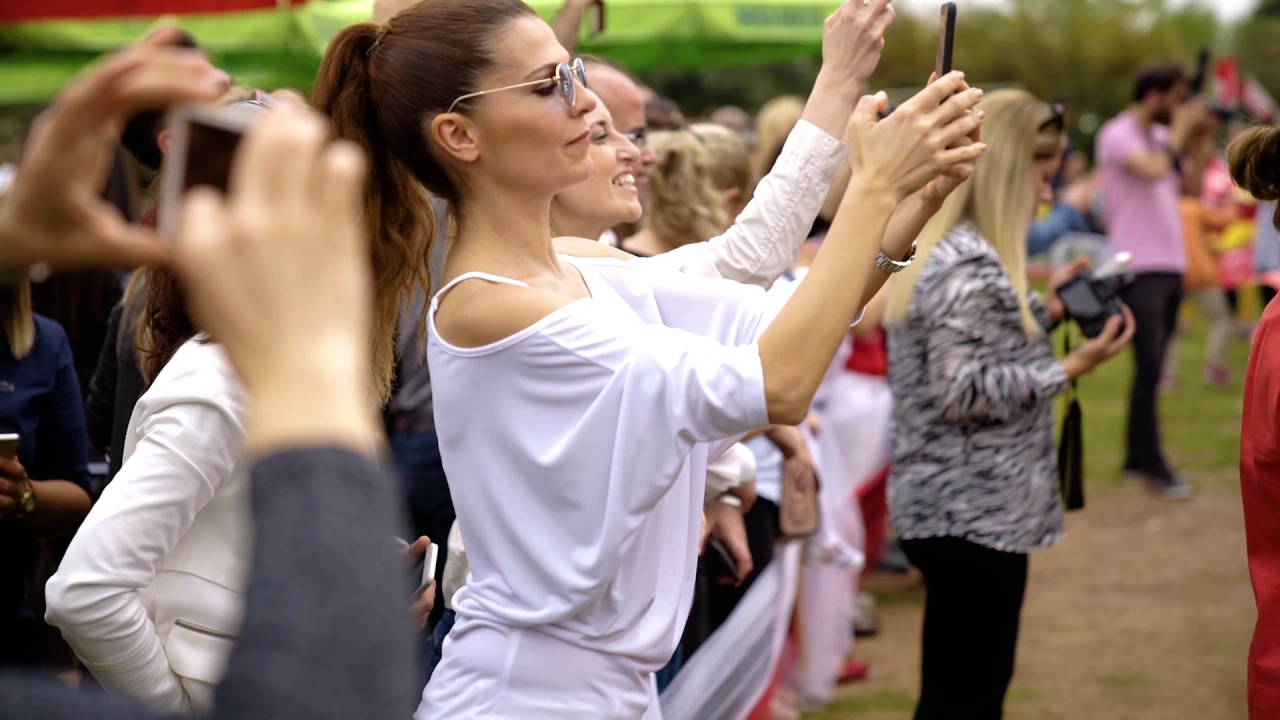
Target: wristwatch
{"x":891,"y":266}
{"x":26,"y":501}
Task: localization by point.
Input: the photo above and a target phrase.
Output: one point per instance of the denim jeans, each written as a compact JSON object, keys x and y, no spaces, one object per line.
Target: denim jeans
{"x":668,"y":672}
{"x":435,"y":641}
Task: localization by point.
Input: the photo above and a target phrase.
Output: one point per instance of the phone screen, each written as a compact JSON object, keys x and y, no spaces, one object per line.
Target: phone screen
{"x":1079,"y":299}
{"x":210,"y":150}
{"x":946,"y":39}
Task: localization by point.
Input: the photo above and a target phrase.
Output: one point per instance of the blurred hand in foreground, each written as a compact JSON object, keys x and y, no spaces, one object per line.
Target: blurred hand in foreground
{"x":278,"y":272}
{"x":53,"y":213}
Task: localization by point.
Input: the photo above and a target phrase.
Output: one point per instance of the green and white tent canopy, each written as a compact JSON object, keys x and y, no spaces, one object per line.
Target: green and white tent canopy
{"x":275,"y":43}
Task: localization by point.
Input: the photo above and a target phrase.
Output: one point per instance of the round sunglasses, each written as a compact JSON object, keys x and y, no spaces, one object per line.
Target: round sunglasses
{"x":566,"y":74}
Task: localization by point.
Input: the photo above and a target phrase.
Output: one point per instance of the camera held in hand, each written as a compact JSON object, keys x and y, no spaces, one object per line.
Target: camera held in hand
{"x":1092,"y":298}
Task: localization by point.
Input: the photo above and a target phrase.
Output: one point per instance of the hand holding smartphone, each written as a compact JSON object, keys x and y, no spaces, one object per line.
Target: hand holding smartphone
{"x":204,"y":143}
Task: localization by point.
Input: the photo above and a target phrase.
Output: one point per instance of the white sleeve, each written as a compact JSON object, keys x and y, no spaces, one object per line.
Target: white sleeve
{"x":733,"y":313}
{"x":736,"y":467}
{"x":729,"y":312}
{"x":765,"y":238}
{"x":663,"y":389}
{"x":635,"y":400}
{"x":691,"y":387}
{"x":186,"y":451}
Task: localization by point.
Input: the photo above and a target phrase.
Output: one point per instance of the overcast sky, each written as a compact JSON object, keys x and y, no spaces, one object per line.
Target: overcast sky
{"x":1228,"y":9}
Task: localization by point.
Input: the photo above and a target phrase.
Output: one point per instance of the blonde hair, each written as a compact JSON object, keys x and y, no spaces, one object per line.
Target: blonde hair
{"x":730,"y":159}
{"x":16,"y":321}
{"x":998,"y":199}
{"x":774,"y":123}
{"x":684,"y":206}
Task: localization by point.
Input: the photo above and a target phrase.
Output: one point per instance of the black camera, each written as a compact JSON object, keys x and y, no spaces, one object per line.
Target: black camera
{"x":1091,"y":299}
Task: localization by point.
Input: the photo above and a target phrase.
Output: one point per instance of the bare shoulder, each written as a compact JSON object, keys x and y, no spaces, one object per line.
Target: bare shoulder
{"x":584,"y":248}
{"x":477,"y":312}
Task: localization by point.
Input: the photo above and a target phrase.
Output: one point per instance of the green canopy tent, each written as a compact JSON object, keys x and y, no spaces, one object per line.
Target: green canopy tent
{"x":281,"y":44}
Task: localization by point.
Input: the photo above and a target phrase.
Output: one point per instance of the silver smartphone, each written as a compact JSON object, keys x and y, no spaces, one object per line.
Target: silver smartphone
{"x":204,"y":142}
{"x":428,"y":574}
{"x":9,"y":445}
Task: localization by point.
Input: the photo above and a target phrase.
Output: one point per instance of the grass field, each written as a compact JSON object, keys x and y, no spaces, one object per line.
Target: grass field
{"x":1145,"y":609}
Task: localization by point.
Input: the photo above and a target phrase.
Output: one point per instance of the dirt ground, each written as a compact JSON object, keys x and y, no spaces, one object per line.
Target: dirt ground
{"x":1143,"y":612}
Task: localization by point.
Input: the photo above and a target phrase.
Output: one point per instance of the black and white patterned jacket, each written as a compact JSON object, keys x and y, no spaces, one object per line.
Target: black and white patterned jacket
{"x":974,"y":455}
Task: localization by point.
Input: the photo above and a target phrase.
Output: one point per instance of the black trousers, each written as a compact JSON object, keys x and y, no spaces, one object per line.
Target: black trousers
{"x":973,"y":600}
{"x":1154,"y":299}
{"x":714,"y":602}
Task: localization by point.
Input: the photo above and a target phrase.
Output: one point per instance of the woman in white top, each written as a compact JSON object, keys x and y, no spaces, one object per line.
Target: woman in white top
{"x":150,"y":592}
{"x":578,"y":401}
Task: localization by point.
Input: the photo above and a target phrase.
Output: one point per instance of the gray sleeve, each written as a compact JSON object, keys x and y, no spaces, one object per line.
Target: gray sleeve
{"x":326,"y":631}
{"x":29,"y":697}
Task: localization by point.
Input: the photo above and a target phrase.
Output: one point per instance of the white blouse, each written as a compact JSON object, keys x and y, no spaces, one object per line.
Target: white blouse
{"x":577,"y":451}
{"x":150,"y":592}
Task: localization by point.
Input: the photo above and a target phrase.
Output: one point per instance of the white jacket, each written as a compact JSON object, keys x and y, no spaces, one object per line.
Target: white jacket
{"x":150,"y":592}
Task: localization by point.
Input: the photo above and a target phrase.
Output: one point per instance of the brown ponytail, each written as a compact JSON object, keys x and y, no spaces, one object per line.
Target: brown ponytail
{"x":380,"y":86}
{"x":1254,"y":158}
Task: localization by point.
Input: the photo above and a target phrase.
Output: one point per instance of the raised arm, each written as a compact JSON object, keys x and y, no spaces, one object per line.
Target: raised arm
{"x":764,"y":240}
{"x":892,"y":159}
{"x":568,"y":21}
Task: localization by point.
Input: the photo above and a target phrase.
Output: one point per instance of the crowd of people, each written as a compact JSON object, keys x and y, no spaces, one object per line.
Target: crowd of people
{"x":659,"y":391}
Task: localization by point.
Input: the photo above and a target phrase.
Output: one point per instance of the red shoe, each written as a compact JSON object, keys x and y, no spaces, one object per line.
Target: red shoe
{"x":854,"y":671}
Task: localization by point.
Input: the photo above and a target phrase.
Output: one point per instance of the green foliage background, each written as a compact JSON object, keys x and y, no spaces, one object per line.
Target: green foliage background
{"x":1083,"y":53}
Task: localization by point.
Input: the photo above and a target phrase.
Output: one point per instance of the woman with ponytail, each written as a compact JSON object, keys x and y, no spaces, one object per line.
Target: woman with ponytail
{"x":151,"y":591}
{"x":1254,"y":159}
{"x":577,"y":400}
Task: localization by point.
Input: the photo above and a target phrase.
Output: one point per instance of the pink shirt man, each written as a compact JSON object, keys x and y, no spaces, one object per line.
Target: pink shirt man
{"x":1142,"y":215}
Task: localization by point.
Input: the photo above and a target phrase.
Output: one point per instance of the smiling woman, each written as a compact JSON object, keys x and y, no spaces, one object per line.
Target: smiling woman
{"x":609,"y":196}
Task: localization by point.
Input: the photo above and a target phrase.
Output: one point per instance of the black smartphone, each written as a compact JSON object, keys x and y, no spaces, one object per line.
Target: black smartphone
{"x":946,"y":39}
{"x":204,"y":143}
{"x":719,"y":562}
{"x":1202,"y":73}
{"x":595,"y":15}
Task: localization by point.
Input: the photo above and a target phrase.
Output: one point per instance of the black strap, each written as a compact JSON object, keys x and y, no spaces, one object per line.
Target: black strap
{"x":1071,"y":444}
